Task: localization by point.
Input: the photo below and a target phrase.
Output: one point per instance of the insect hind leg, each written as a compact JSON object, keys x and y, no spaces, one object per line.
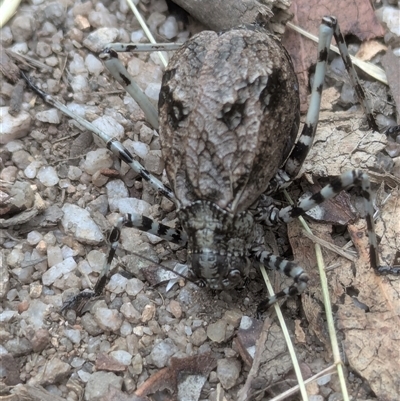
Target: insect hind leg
{"x":140,"y":222}
{"x":290,"y":269}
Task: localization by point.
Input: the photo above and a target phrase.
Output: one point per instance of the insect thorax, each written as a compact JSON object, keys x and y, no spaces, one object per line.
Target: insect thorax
{"x":218,"y":243}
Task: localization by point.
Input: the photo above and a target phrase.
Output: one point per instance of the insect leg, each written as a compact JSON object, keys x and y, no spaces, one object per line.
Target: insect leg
{"x":290,"y":269}
{"x":111,"y":143}
{"x":344,"y":182}
{"x":128,"y":220}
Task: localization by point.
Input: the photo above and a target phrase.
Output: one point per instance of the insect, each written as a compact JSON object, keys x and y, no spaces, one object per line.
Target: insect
{"x":228,"y":121}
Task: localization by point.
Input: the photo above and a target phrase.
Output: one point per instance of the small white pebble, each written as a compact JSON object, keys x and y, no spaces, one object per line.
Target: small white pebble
{"x":94,"y":65}
{"x":34,"y":237}
{"x":50,"y":116}
{"x":47,"y":175}
{"x":169,"y":28}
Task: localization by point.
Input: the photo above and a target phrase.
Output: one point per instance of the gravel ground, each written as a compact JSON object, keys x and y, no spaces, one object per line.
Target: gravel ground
{"x":77,"y":190}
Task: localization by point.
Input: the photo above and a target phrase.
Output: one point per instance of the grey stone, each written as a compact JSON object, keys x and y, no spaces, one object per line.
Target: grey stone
{"x":99,"y":383}
{"x":228,"y":371}
{"x":58,"y":270}
{"x":23,"y":27}
{"x":47,"y":175}
{"x":162,"y":352}
{"x":122,"y":357}
{"x":13,"y":127}
{"x":108,"y":319}
{"x":217,"y":331}
{"x":78,"y":222}
{"x":56,"y":13}
{"x":198,"y":337}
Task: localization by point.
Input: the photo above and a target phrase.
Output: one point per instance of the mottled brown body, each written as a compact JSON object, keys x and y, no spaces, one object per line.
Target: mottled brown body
{"x":229,"y":116}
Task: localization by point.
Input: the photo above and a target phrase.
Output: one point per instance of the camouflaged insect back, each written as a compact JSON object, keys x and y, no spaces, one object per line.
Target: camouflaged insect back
{"x":229,"y":115}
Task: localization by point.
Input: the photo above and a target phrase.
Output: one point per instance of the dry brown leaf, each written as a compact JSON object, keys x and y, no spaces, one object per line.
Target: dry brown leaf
{"x":11,"y":370}
{"x":356,"y":17}
{"x":391,"y":64}
{"x":168,"y":378}
{"x":304,"y":255}
{"x":341,"y":146}
{"x":108,"y":363}
{"x":388,"y":228}
{"x":299,"y":332}
{"x":329,"y":98}
{"x":24,"y":392}
{"x":370,"y":49}
{"x":338,"y":210}
{"x":370,"y":320}
{"x":246,"y":339}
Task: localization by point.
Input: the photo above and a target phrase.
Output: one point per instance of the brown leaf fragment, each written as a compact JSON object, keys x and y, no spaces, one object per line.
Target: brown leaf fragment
{"x":109,"y":364}
{"x":356,"y":17}
{"x":163,"y":379}
{"x":8,"y":67}
{"x":246,"y":338}
{"x":27,"y":392}
{"x":110,"y":173}
{"x":389,"y":231}
{"x":11,"y":367}
{"x":391,"y":64}
{"x":222,"y":15}
{"x":195,"y":365}
{"x":338,"y":210}
{"x":372,"y":339}
{"x":372,"y":348}
{"x":299,"y":332}
{"x":370,"y":49}
{"x":340,"y":145}
{"x":169,"y":377}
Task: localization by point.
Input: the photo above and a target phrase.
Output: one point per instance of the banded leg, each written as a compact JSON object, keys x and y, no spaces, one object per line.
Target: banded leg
{"x":328,"y":28}
{"x":344,"y":182}
{"x":142,"y":223}
{"x":290,"y":269}
{"x":118,"y":71}
{"x":111,"y":143}
{"x":362,"y":97}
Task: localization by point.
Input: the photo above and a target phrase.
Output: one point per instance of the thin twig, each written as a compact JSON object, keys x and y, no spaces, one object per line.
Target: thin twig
{"x":330,"y":246}
{"x":288,"y":340}
{"x":26,"y":60}
{"x":7,"y":10}
{"x":295,"y":389}
{"x":328,"y":308}
{"x":146,"y":30}
{"x":369,"y":68}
